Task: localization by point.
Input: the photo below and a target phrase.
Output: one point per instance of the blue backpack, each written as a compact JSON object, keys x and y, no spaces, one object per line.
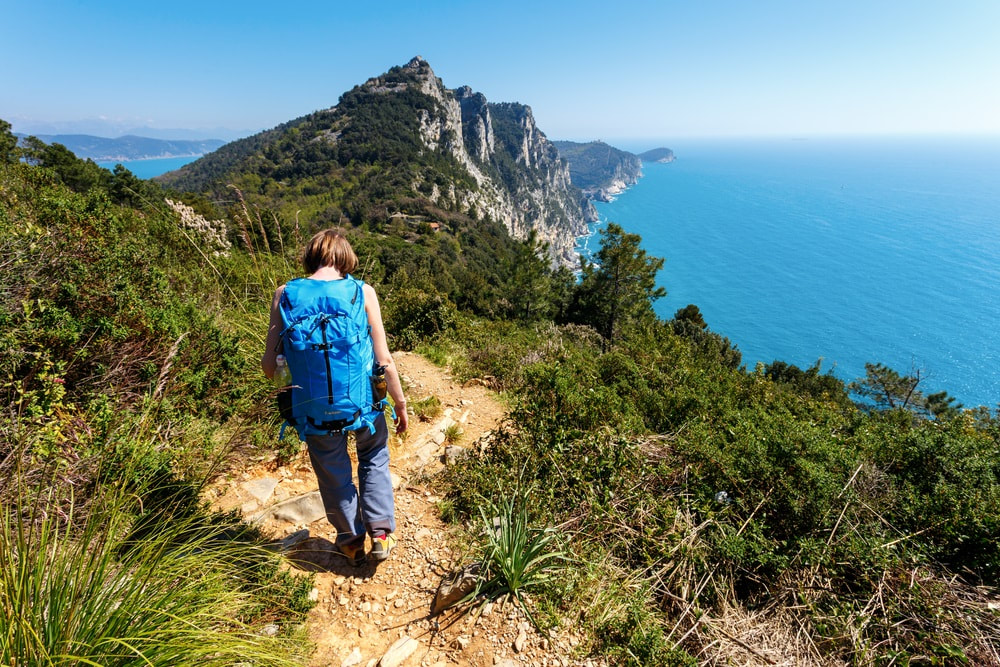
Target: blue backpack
{"x":327,"y":342}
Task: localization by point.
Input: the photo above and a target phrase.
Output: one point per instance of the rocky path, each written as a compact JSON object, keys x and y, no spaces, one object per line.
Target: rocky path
{"x":379,"y":615}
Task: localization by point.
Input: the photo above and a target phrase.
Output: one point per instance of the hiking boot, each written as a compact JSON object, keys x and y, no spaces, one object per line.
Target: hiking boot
{"x":354,"y":553}
{"x":382,"y":545}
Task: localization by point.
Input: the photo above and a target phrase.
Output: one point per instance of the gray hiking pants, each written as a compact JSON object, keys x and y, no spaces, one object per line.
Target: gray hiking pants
{"x":332,"y":465}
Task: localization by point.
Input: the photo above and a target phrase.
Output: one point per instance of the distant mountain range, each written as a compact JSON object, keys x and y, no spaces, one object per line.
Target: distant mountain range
{"x":129,"y":147}
{"x":103,"y":127}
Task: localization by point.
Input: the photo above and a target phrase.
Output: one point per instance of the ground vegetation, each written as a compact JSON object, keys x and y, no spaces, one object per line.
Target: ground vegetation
{"x":645,"y":485}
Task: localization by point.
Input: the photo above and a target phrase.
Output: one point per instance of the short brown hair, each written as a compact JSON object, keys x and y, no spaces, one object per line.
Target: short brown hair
{"x":329,"y":248}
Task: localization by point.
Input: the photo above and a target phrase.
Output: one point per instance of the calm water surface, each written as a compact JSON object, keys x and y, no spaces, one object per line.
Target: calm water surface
{"x":847,"y":250}
{"x":152,"y":167}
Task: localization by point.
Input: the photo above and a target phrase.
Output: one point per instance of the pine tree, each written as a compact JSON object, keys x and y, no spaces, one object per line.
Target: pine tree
{"x":620,"y":288}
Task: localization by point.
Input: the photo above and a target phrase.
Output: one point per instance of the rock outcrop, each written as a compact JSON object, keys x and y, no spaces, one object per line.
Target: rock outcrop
{"x":663,"y":155}
{"x":521,"y":179}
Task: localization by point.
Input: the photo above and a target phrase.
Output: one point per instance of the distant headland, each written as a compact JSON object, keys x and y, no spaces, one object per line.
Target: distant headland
{"x":658,"y":155}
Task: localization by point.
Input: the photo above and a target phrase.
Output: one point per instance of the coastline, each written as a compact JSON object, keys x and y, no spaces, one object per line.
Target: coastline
{"x":604,"y":195}
{"x":122,"y":159}
{"x":777,"y":242}
{"x":150,"y":167}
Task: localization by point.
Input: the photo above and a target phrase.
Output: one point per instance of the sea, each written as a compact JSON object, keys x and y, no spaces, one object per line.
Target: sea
{"x":151,"y":167}
{"x":838,"y":250}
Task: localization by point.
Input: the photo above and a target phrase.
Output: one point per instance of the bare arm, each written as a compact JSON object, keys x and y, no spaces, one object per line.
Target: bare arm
{"x":273,"y":343}
{"x":383,"y":357}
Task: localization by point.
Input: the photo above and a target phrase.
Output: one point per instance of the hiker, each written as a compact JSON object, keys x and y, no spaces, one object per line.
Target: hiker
{"x":312,"y":306}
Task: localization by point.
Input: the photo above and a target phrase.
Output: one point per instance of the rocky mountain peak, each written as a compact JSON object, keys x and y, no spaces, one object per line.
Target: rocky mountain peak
{"x":449,"y":149}
{"x":416,"y":62}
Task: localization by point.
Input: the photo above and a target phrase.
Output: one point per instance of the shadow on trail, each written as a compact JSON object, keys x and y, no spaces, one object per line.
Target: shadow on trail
{"x":317,"y":554}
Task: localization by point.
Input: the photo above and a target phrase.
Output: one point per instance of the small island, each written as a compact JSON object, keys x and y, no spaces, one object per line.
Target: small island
{"x":663,"y":155}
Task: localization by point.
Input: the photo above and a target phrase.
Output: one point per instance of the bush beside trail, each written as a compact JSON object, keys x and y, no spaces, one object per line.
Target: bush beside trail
{"x":123,"y":387}
{"x":715,"y":487}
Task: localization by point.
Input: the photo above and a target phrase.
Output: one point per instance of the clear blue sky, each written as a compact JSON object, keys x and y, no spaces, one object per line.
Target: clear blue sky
{"x":589,"y":70}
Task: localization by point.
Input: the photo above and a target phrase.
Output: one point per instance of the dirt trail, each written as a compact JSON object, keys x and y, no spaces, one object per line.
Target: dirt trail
{"x":380,"y":614}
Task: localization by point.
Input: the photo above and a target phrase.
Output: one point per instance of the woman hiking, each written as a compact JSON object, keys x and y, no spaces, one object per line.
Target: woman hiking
{"x":329,"y":327}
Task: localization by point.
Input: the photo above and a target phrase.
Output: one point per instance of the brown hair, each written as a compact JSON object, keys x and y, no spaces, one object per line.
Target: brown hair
{"x":329,"y":248}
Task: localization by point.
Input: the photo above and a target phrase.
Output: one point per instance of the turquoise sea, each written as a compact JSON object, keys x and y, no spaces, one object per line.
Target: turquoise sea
{"x":152,"y":167}
{"x":846,"y":250}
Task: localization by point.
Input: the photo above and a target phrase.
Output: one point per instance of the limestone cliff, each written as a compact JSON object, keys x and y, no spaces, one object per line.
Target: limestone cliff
{"x":521,"y":179}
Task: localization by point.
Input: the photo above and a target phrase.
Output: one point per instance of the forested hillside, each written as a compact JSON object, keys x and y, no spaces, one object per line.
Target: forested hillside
{"x":689,"y":504}
{"x":601,"y":171}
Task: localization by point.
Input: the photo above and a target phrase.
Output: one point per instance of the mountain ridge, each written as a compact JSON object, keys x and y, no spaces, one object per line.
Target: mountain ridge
{"x":402,"y":143}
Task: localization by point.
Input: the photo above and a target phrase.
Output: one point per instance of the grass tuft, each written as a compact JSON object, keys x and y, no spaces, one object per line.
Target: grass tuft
{"x":426,"y":408}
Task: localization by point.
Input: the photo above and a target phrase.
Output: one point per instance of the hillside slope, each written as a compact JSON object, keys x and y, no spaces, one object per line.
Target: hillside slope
{"x":600,"y":170}
{"x":402,"y":147}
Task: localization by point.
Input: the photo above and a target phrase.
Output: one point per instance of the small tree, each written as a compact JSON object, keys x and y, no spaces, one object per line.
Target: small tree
{"x":885,"y":389}
{"x":8,"y":143}
{"x":529,"y":289}
{"x":620,"y":288}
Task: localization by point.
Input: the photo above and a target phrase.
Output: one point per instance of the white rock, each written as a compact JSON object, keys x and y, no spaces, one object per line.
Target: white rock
{"x":291,"y":540}
{"x":398,"y":652}
{"x":353,"y":659}
{"x":261,"y":489}
{"x":452,"y":453}
{"x":299,"y":510}
{"x":522,"y":638}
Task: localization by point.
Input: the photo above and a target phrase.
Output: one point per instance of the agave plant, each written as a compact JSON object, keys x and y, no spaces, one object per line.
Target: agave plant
{"x":518,"y":556}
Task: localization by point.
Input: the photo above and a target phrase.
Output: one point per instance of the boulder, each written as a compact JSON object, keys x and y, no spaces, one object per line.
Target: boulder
{"x":456,"y":586}
{"x":299,"y":510}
